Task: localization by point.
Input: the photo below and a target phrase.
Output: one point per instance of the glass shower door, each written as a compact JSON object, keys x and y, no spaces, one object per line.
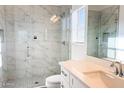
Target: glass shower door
{"x":65,"y":38}
{"x":1,"y":76}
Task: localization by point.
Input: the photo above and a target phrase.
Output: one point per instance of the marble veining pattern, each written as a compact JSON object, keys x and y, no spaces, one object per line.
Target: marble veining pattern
{"x":29,"y":60}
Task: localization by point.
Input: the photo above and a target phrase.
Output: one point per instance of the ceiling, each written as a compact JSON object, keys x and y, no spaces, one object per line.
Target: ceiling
{"x":98,"y":7}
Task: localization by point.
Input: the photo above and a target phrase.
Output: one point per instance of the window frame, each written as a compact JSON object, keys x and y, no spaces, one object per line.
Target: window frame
{"x":77,"y":40}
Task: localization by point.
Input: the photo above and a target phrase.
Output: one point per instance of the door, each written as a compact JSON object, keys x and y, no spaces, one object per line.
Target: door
{"x":65,"y":38}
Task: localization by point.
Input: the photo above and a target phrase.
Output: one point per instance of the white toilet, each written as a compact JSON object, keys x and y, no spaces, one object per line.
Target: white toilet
{"x":53,"y":81}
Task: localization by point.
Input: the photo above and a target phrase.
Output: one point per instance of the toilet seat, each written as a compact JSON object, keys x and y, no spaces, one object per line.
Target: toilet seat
{"x":53,"y":81}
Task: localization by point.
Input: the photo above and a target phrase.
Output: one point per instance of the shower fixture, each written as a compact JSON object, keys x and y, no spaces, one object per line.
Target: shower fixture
{"x":55,"y":18}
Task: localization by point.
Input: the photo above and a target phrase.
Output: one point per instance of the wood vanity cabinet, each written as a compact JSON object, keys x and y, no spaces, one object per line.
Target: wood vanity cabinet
{"x":68,"y":80}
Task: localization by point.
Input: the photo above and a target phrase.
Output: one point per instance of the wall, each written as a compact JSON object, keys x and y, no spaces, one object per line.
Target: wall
{"x":79,"y":50}
{"x":120,"y":39}
{"x":29,"y":60}
{"x":121,"y":21}
{"x":98,"y":7}
{"x":3,"y":76}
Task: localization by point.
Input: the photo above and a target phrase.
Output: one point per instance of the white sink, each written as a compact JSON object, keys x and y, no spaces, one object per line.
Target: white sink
{"x":105,"y":79}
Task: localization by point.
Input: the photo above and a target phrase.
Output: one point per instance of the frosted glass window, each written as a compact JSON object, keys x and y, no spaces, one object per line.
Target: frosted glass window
{"x":111,"y":42}
{"x":78,"y":25}
{"x":111,"y":47}
{"x":120,"y":44}
{"x":120,"y":49}
{"x":120,"y":55}
{"x":74,"y":26}
{"x":111,"y":53}
{"x":81,"y":25}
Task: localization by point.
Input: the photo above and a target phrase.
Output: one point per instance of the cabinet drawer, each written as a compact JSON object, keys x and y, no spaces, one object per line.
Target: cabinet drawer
{"x":76,"y":83}
{"x":64,"y":84}
{"x":65,"y":74}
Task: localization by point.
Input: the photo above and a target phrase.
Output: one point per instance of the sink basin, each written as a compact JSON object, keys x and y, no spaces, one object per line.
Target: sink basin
{"x":104,"y":79}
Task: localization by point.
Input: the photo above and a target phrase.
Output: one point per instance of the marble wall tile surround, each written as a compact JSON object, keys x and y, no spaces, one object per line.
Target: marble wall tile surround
{"x":93,"y":32}
{"x":29,"y":60}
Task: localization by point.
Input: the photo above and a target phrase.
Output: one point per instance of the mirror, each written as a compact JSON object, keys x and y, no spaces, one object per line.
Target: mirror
{"x":102,"y":31}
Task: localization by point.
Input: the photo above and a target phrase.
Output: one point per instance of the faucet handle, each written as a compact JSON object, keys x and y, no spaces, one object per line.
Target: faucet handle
{"x":112,"y":64}
{"x":118,"y":61}
{"x":116,"y":68}
{"x":115,"y":61}
{"x":116,"y":71}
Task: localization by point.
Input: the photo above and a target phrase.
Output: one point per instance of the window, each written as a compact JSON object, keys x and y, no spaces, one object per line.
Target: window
{"x":120,"y":49}
{"x":116,"y":50}
{"x":78,"y":25}
{"x":111,"y":49}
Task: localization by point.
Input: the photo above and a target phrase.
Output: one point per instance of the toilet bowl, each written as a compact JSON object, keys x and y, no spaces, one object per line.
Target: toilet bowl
{"x":53,"y":81}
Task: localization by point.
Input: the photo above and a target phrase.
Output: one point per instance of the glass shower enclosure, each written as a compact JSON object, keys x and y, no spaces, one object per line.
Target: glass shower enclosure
{"x":34,"y":44}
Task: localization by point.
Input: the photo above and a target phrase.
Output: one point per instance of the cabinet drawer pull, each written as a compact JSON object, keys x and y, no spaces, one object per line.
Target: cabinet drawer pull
{"x":62,"y":86}
{"x":72,"y":81}
{"x":64,"y":73}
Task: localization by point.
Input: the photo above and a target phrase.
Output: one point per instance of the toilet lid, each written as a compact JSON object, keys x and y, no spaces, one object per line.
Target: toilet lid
{"x":54,"y":79}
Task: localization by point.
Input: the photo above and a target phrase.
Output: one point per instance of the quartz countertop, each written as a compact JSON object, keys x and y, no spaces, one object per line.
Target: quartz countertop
{"x":87,"y":64}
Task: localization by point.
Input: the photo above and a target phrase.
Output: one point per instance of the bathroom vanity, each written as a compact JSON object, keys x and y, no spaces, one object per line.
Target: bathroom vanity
{"x":90,"y":72}
{"x":69,"y":80}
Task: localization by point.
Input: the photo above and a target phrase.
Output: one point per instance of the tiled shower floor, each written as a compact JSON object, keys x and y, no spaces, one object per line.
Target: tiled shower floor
{"x":23,"y":83}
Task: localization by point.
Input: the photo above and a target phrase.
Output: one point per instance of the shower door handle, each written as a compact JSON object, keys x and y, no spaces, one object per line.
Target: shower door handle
{"x":63,"y":42}
{"x":28,"y":51}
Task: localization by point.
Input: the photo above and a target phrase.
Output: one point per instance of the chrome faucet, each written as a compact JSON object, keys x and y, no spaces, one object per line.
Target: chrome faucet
{"x":118,"y":70}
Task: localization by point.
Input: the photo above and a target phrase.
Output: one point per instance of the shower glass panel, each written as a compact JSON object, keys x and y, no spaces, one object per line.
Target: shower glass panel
{"x":45,"y":44}
{"x":0,"y":49}
{"x":33,"y":44}
{"x":1,"y":40}
{"x":65,"y":38}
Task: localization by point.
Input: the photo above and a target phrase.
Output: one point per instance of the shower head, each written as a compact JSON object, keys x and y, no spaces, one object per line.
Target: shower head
{"x":55,"y":18}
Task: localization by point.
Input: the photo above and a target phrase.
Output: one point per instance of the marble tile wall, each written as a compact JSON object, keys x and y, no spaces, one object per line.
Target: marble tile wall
{"x":5,"y":49}
{"x":10,"y":42}
{"x":1,"y":27}
{"x":93,"y":32}
{"x":30,"y":60}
